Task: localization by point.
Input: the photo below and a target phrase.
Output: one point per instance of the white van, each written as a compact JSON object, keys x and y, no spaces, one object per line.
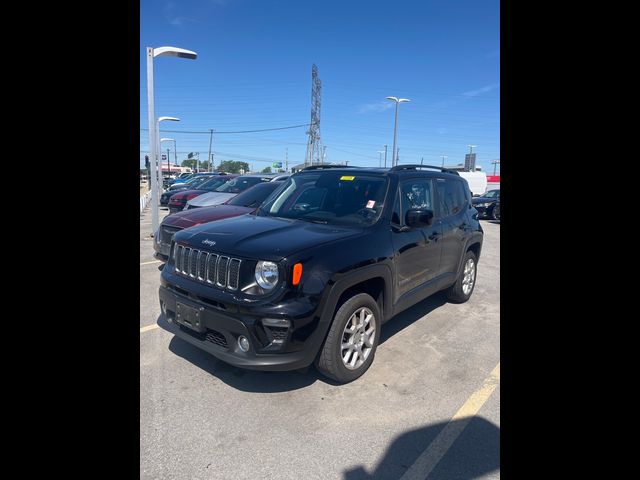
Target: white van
{"x":477,"y":181}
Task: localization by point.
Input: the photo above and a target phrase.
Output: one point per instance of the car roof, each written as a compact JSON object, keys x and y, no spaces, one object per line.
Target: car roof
{"x":403,"y":171}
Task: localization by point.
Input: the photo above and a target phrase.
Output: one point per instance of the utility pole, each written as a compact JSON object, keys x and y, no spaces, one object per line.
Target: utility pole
{"x":380,"y":162}
{"x":210,"y":140}
{"x":286,"y":159}
{"x":212,"y":155}
{"x":495,"y":162}
{"x":397,"y":156}
{"x":168,"y":163}
{"x":443,"y":157}
{"x":313,"y":155}
{"x":385,"y":156}
{"x":421,"y":160}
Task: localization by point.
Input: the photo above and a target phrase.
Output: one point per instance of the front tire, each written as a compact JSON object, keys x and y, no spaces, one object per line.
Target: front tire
{"x":492,"y":213}
{"x":461,"y":291}
{"x":352,"y":340}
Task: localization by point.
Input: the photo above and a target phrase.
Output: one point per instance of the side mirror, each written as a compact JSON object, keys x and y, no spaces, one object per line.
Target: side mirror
{"x":418,"y":217}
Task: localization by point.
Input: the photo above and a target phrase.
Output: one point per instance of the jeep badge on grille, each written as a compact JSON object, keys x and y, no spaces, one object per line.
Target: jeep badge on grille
{"x":211,"y":243}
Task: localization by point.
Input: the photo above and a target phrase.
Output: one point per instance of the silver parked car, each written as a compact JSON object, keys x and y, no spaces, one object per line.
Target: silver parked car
{"x":231,"y":188}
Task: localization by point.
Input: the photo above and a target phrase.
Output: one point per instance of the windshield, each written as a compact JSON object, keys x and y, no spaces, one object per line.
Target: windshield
{"x":212,"y":183}
{"x":329,"y":197}
{"x":240,"y":184}
{"x":491,"y":194}
{"x":255,"y":195}
{"x":196,"y":182}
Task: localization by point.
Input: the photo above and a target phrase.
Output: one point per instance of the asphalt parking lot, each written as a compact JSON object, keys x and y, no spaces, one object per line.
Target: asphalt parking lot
{"x":429,"y":406}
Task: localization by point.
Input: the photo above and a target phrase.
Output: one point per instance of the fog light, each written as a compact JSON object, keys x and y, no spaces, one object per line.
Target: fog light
{"x":243,"y":343}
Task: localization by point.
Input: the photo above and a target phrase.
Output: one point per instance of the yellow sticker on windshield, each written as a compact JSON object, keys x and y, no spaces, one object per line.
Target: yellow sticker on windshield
{"x":347,"y":177}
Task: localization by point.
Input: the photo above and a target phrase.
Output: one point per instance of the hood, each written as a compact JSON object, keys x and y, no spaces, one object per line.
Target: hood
{"x":211,"y":198}
{"x":185,"y":193}
{"x":189,"y":218}
{"x":177,"y":188}
{"x":476,"y":200}
{"x":266,"y":238}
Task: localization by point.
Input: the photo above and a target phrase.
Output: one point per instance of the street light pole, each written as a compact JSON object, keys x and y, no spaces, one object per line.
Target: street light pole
{"x":210,"y":140}
{"x":153,"y":151}
{"x":380,"y":152}
{"x":174,"y":147}
{"x":385,"y":156}
{"x":175,"y":152}
{"x":394,"y":159}
{"x":443,"y":157}
{"x":152,"y":143}
{"x":161,"y":119}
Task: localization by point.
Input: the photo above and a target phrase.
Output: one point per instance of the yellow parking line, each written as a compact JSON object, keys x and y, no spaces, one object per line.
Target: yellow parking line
{"x":148,"y":327}
{"x":426,"y":462}
{"x":148,"y":263}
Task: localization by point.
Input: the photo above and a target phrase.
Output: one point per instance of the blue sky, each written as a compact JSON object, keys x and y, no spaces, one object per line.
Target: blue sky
{"x":253,"y":72}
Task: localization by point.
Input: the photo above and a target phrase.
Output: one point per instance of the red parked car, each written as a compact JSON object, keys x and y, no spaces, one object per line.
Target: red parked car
{"x":245,"y":202}
{"x":180,"y":199}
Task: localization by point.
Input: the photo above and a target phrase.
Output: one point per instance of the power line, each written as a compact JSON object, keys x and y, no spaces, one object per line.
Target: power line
{"x":239,"y":131}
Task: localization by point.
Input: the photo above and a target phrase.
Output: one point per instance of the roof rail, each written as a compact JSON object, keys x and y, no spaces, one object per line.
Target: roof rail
{"x":416,"y":166}
{"x":319,"y":167}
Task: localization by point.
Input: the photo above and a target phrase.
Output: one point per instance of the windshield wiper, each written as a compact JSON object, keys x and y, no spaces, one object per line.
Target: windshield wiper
{"x":313,"y":220}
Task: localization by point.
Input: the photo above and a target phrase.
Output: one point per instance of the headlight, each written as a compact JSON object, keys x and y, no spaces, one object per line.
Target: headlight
{"x":266,"y":274}
{"x":157,"y":236}
{"x":483,"y":205}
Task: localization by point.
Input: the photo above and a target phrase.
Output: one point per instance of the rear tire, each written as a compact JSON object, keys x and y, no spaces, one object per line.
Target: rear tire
{"x":351,"y":343}
{"x":461,"y":291}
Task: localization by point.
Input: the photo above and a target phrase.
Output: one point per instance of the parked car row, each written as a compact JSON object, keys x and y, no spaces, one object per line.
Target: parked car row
{"x":305,"y":270}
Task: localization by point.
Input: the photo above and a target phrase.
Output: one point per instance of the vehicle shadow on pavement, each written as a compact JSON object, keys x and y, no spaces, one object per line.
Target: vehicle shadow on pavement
{"x":242,"y":379}
{"x":474,"y":453}
{"x":410,"y":315}
{"x":270,"y":382}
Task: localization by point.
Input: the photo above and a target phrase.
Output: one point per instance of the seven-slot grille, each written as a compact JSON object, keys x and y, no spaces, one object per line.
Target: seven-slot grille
{"x":211,"y":268}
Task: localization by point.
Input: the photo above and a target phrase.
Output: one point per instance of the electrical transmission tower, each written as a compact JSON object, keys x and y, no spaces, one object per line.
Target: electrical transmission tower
{"x":314,"y":145}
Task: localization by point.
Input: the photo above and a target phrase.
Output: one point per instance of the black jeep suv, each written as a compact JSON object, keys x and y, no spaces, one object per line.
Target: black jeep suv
{"x":312,"y":274}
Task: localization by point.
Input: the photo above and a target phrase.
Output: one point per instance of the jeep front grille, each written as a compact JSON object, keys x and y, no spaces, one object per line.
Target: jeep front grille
{"x":207,"y":267}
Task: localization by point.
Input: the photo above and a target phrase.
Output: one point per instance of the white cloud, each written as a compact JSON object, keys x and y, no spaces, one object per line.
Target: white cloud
{"x":485,"y":89}
{"x":375,"y":107}
{"x":174,"y":19}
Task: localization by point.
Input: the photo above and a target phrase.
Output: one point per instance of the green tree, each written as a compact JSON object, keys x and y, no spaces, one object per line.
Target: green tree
{"x":266,"y":170}
{"x":232,"y":166}
{"x":191,"y":163}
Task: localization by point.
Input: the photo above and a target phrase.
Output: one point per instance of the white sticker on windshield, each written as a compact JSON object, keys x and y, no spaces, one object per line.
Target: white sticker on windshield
{"x":370,"y":203}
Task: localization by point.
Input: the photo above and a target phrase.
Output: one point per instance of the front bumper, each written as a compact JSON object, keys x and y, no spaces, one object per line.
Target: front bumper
{"x":483,"y":212}
{"x":176,"y":208}
{"x":221,"y":325}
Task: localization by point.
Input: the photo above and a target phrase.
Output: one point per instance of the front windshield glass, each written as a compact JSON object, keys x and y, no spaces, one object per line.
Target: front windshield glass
{"x":329,"y":197}
{"x":492,"y":194}
{"x":213,"y":183}
{"x":240,"y":184}
{"x":255,"y":195}
{"x":197,"y":182}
